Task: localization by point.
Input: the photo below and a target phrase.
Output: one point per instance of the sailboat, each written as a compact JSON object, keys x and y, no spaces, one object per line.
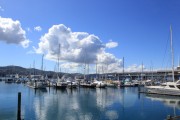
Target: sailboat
{"x":167,"y":88}
{"x":99,"y":83}
{"x":35,"y":82}
{"x":61,"y":84}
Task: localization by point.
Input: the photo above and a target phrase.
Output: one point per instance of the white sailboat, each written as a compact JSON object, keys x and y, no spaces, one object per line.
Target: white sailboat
{"x":167,"y":88}
{"x":61,"y":84}
{"x":71,"y":83}
{"x":36,"y":81}
{"x":99,"y":83}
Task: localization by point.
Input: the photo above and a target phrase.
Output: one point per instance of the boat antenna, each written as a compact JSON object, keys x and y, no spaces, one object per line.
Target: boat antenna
{"x":172,"y":53}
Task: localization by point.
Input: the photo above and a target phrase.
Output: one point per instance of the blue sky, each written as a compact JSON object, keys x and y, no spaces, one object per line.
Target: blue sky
{"x":138,"y":28}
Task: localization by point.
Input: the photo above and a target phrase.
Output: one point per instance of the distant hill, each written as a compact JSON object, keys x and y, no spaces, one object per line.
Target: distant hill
{"x":5,"y":70}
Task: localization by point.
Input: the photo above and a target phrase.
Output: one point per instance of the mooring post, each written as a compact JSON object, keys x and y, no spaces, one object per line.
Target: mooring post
{"x":71,"y":85}
{"x":139,"y":89}
{"x":19,"y":106}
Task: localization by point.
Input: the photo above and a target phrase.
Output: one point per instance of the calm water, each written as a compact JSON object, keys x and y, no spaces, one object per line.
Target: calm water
{"x":85,"y":104}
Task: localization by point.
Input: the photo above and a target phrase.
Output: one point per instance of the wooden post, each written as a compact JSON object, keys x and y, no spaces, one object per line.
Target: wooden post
{"x":139,"y":89}
{"x":19,"y":106}
{"x":35,"y":84}
{"x":71,"y":85}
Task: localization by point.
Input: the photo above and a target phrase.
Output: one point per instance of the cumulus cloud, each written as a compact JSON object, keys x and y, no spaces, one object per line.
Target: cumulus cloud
{"x":70,"y":65}
{"x":135,"y":68}
{"x":37,"y":28}
{"x":74,"y":47}
{"x":111,"y":44}
{"x":12,"y":33}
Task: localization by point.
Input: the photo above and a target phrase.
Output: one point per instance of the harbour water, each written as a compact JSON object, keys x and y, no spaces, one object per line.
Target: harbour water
{"x":85,"y":104}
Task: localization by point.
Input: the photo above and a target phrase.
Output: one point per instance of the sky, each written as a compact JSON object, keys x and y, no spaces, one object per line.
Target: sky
{"x":96,"y":32}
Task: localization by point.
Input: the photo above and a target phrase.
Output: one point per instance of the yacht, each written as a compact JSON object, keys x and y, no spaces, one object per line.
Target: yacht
{"x":61,"y":84}
{"x":87,"y":84}
{"x":99,"y":84}
{"x":71,"y":83}
{"x":36,"y":83}
{"x":167,"y":88}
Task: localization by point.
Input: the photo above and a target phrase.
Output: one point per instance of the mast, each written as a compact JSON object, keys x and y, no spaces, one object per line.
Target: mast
{"x":42,"y":62}
{"x":96,"y":70}
{"x":172,"y":53}
{"x":42,"y":66}
{"x":152,"y":70}
{"x":142,"y":72}
{"x":58,"y":56}
{"x":107,"y":72}
{"x":123,"y":68}
{"x":34,"y":69}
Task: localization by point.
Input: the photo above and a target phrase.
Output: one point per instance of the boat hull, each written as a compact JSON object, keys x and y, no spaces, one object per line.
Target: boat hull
{"x":162,"y":91}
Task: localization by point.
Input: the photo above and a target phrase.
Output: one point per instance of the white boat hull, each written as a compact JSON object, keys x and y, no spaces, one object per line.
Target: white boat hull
{"x":164,"y":91}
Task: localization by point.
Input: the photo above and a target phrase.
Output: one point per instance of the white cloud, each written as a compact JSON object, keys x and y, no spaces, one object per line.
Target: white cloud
{"x":69,"y":65}
{"x":1,"y":9}
{"x":12,"y":33}
{"x":75,"y":47}
{"x":37,"y":28}
{"x":111,"y":44}
{"x":135,"y":68}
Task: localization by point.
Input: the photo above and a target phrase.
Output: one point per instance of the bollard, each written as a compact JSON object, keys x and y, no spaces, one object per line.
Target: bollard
{"x":71,"y":85}
{"x":19,"y":106}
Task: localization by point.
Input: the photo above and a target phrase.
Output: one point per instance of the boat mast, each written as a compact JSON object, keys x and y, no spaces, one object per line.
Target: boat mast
{"x":42,"y":66}
{"x":58,"y":56}
{"x":33,"y":69}
{"x":123,"y":68}
{"x":172,"y":53}
{"x":142,"y":72}
{"x":84,"y":64}
{"x":96,"y":70}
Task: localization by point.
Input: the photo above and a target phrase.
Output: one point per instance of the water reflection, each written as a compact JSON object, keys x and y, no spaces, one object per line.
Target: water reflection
{"x":84,"y":104}
{"x":170,"y":101}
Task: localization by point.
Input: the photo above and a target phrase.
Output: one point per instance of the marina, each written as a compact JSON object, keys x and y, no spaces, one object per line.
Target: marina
{"x":85,"y":103}
{"x":90,"y":60}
